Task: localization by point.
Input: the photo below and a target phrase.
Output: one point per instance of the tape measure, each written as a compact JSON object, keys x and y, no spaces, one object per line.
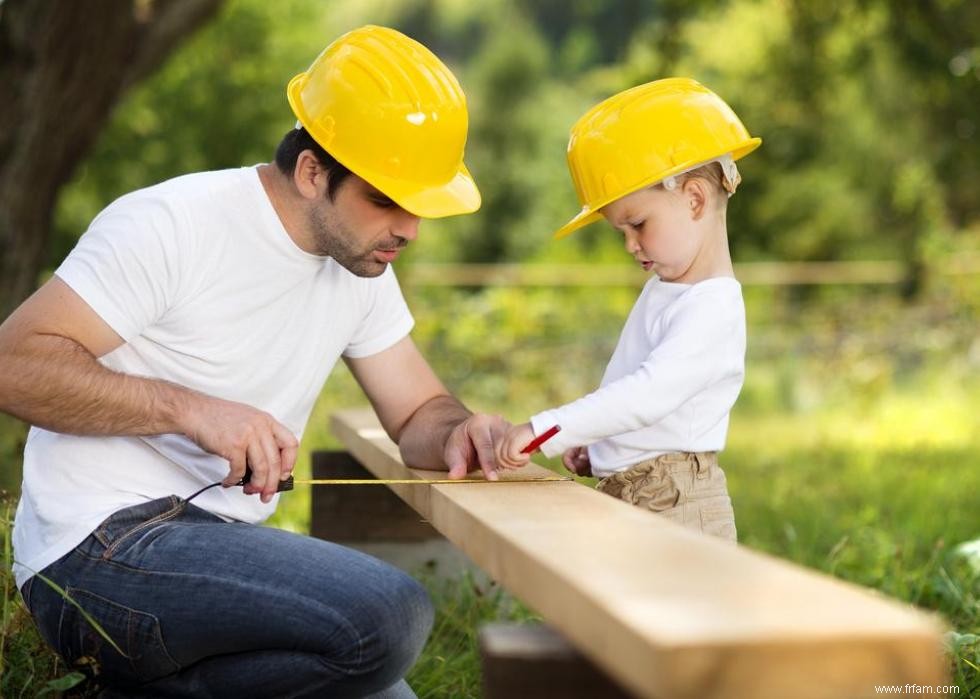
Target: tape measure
{"x":290,"y":482}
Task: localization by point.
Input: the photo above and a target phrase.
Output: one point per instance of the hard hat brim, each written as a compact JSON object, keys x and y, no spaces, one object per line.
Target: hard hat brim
{"x":590,"y":214}
{"x":584,"y":218}
{"x":458,"y":196}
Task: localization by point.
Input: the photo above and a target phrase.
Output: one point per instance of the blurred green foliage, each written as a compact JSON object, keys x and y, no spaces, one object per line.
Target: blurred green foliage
{"x":867,"y":110}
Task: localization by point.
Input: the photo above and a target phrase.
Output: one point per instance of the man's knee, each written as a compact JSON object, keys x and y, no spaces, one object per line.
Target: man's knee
{"x":405,"y":622}
{"x":411,"y":623}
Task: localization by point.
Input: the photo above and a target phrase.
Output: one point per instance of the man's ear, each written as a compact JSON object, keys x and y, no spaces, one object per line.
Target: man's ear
{"x":309,"y":176}
{"x":697,"y":197}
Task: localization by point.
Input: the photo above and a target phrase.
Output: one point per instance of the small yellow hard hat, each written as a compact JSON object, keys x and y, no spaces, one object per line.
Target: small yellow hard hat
{"x":644,"y":135}
{"x":389,"y":110}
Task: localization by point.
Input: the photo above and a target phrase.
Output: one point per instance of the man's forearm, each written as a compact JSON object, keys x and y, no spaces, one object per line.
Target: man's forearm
{"x":423,"y":439}
{"x":55,"y":383}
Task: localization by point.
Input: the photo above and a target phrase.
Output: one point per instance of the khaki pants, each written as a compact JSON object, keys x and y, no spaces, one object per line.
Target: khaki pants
{"x":688,"y":488}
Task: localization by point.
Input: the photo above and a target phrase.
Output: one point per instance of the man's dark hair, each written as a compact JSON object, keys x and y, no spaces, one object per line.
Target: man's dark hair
{"x":298,"y":140}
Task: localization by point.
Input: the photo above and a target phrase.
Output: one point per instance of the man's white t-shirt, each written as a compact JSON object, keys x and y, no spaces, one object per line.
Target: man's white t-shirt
{"x":207,"y":289}
{"x":671,"y":383}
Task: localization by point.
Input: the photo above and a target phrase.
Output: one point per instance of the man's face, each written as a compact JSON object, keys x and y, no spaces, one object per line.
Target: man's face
{"x":362,"y":229}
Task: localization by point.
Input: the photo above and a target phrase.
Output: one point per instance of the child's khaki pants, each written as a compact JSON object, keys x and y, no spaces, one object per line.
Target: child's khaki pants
{"x":686,"y":487}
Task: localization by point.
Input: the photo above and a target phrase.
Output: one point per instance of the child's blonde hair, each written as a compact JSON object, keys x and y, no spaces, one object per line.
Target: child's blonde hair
{"x":720,"y":173}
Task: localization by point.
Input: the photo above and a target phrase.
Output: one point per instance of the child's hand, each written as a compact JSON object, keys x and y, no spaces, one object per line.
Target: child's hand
{"x":509,"y":448}
{"x":577,"y":461}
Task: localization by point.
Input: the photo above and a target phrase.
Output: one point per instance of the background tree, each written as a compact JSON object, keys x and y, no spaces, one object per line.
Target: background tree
{"x":63,"y":67}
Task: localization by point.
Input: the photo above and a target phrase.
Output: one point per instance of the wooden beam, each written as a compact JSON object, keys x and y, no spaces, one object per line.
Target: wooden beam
{"x":532,"y":661}
{"x":666,"y":612}
{"x":362,"y":515}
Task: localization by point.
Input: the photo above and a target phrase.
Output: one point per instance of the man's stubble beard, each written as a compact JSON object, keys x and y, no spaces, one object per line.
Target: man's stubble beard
{"x":333,"y":239}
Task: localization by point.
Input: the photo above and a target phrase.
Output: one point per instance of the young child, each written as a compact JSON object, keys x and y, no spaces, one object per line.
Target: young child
{"x":658,"y":162}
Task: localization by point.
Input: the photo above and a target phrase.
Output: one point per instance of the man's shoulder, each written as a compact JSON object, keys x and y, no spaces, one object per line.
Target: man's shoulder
{"x":191,"y":190}
{"x":184,"y":208}
{"x":208,"y":187}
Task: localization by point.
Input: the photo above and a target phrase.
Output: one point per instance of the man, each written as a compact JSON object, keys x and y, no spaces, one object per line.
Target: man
{"x":187,"y":336}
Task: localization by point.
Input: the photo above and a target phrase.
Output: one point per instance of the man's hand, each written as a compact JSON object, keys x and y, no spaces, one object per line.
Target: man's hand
{"x":244,"y":436}
{"x":433,"y":429}
{"x":471,"y":445}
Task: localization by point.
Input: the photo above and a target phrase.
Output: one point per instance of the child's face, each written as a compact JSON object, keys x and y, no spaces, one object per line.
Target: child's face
{"x":660,"y":231}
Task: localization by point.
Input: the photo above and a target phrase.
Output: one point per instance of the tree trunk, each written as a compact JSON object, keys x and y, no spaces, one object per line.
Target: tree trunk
{"x":63,"y":67}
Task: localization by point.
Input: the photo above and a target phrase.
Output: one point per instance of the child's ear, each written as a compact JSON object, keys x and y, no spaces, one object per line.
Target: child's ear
{"x":696,"y":197}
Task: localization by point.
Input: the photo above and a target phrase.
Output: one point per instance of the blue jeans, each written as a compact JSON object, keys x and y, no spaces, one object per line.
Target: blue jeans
{"x":205,"y":608}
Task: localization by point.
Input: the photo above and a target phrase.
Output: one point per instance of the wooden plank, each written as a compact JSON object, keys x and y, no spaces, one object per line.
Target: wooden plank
{"x":533,"y":661}
{"x":352,"y":514}
{"x":668,"y":613}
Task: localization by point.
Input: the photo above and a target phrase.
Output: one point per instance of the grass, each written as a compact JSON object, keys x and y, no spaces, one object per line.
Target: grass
{"x":854,"y":449}
{"x":450,"y":665}
{"x":882,"y":493}
{"x":27,"y":667}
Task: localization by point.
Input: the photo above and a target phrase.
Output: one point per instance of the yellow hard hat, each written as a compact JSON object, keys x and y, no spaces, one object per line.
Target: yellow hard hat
{"x":389,"y":110}
{"x":644,"y":135}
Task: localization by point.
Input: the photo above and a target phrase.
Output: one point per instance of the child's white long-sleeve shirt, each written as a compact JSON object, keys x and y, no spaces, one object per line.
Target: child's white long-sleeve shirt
{"x":670,"y":384}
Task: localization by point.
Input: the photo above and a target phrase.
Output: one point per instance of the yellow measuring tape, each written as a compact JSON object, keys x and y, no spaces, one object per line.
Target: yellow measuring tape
{"x":288,"y":484}
{"x":421,"y":481}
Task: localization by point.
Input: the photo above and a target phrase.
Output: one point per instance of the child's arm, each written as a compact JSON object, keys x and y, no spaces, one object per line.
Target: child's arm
{"x":700,"y":347}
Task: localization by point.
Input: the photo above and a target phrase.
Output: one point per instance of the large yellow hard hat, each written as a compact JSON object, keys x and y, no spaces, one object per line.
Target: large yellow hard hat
{"x":644,"y":135}
{"x":389,"y":110}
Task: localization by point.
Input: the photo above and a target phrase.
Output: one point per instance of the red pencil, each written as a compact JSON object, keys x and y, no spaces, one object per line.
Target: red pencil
{"x":540,"y":439}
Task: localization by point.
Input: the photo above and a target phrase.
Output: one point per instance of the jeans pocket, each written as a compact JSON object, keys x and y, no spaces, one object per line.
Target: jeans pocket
{"x":128,"y":526}
{"x":137,"y":634}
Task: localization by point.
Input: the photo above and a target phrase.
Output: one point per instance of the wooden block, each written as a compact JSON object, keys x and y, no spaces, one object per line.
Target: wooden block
{"x":533,"y":661}
{"x":360,"y":514}
{"x":666,"y":612}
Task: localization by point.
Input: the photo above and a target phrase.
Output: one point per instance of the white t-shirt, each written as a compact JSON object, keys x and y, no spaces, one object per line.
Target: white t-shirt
{"x":670,"y":384}
{"x":207,"y":289}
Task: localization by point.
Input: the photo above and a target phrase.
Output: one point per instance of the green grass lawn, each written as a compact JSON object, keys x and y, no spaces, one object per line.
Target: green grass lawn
{"x":883,"y":493}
